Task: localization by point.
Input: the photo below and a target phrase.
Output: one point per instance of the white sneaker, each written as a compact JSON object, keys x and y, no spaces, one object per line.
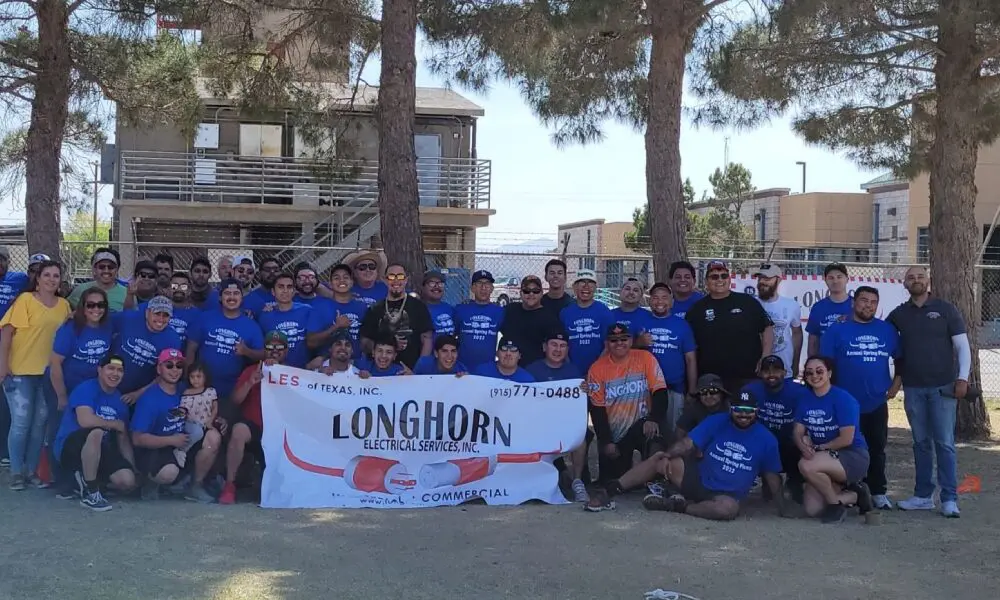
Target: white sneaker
{"x":580,"y":492}
{"x":916,"y":503}
{"x":950,"y":509}
{"x":882,"y":502}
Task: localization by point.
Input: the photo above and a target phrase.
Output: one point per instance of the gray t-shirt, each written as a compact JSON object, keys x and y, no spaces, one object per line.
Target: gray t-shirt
{"x":927,"y":358}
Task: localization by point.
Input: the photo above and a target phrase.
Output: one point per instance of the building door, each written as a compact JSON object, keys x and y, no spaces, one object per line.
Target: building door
{"x":428,"y":150}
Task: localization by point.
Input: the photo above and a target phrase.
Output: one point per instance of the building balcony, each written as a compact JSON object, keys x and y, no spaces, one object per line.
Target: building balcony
{"x":456,"y":183}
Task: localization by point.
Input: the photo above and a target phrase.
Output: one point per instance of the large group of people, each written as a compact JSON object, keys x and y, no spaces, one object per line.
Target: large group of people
{"x":154,"y":382}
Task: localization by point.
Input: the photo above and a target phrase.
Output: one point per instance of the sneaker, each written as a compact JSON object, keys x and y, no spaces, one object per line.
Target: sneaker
{"x":81,"y":485}
{"x":197,"y":493}
{"x":865,"y":502}
{"x":882,"y":502}
{"x":834,"y":513}
{"x":599,"y":502}
{"x":916,"y":503}
{"x":180,"y":486}
{"x":36,"y":482}
{"x":150,"y":490}
{"x":95,"y":502}
{"x":672,"y":503}
{"x":949,"y":509}
{"x":4,"y":463}
{"x":17,"y":483}
{"x":580,"y":492}
{"x":656,"y":487}
{"x":228,"y":495}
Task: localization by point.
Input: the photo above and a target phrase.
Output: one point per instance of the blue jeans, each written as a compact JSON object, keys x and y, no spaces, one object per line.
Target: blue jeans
{"x":51,"y":429}
{"x":28,"y":412}
{"x":932,"y":421}
{"x":4,"y":423}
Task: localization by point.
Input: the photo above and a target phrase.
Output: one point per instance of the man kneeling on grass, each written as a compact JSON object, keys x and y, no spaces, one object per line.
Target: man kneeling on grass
{"x":712,"y":469}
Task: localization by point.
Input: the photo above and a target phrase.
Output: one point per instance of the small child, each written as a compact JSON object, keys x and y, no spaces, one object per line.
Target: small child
{"x":201,"y":404}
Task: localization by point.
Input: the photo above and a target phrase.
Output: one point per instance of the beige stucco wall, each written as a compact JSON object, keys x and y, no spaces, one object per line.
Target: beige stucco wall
{"x":826,"y":219}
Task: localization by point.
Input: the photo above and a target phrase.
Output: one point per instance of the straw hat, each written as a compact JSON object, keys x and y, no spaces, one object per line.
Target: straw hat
{"x":357,"y":256}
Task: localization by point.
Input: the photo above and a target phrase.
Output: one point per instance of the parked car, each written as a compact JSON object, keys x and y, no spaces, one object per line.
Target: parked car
{"x":506,"y":290}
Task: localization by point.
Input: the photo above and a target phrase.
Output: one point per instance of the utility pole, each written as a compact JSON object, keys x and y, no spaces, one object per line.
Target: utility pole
{"x":803,"y":164}
{"x":97,"y":181}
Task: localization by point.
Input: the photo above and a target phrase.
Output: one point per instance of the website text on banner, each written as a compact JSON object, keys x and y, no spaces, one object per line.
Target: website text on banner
{"x":404,"y":442}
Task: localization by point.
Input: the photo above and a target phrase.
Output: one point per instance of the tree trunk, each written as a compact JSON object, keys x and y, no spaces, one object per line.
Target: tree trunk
{"x":399,"y":197}
{"x":667,"y":215}
{"x":954,"y":234}
{"x":43,"y":145}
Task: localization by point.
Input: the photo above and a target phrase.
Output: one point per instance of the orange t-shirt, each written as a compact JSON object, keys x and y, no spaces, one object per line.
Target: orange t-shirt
{"x":625,"y":388}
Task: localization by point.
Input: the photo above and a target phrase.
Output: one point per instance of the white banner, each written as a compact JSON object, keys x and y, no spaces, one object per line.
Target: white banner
{"x":810,"y":289}
{"x":413,"y":441}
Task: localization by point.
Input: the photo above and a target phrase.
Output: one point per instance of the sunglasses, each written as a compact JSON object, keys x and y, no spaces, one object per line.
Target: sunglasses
{"x":743,"y":410}
{"x":618,"y":339}
{"x":810,"y":373}
{"x":274,"y":347}
{"x":244,"y":270}
{"x":147,"y":275}
{"x":531,"y":290}
{"x":709,"y":391}
{"x":106,"y":267}
{"x":173,"y":365}
{"x":719,"y":276}
{"x":365,"y":267}
{"x":395,"y":277}
{"x":179,"y":286}
{"x":101,"y":305}
{"x":509,"y":348}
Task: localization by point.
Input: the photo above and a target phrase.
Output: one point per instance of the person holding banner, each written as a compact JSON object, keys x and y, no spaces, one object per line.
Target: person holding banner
{"x":383,"y":362}
{"x":785,"y":314}
{"x":835,"y":308}
{"x":401,"y":316}
{"x":444,"y":361}
{"x":339,"y":360}
{"x":505,"y":367}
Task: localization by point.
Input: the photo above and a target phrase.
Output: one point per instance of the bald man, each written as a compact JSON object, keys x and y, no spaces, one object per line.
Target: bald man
{"x":934,"y":372}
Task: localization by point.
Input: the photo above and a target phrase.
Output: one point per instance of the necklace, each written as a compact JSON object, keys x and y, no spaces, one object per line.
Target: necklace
{"x":394,"y":316}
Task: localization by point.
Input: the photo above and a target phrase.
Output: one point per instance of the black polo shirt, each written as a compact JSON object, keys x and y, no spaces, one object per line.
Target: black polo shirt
{"x":727,"y":335}
{"x":927,"y":357}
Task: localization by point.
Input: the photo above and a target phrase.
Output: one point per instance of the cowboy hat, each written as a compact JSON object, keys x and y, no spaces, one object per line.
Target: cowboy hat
{"x":357,"y":256}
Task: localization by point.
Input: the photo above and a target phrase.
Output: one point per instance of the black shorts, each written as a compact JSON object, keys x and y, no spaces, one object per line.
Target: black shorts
{"x":150,"y":461}
{"x":112,"y":459}
{"x":254,"y":443}
{"x":634,"y":439}
{"x":693,"y":490}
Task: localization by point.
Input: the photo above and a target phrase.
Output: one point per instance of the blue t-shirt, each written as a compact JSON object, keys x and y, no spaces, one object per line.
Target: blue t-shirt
{"x":776,"y":410}
{"x":211,"y":301}
{"x":366,"y":364}
{"x":586,"y":328}
{"x":81,"y":352}
{"x":733,"y":457}
{"x":293,"y":324}
{"x":824,"y":416}
{"x":10,"y":286}
{"x":861,"y":353}
{"x":637,"y":320}
{"x":478,"y":326}
{"x":307,"y":301}
{"x":442,"y":317}
{"x":543,"y":372}
{"x":152,"y":413}
{"x":216,"y":336}
{"x":825,"y":313}
{"x":325,"y":311}
{"x":680,"y":308}
{"x":427,"y":365}
{"x":672,"y":339}
{"x":257,"y":299}
{"x":182,"y":319}
{"x":492,"y":371}
{"x":106,"y":405}
{"x":139,"y":348}
{"x":372,"y":295}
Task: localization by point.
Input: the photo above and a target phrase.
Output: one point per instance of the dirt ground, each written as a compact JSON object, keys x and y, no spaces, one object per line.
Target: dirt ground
{"x":176,"y":549}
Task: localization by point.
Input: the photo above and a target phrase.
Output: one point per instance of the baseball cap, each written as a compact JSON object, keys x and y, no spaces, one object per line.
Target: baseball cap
{"x":103,"y":256}
{"x":659,"y":285}
{"x":531,"y":279}
{"x":557,"y":334}
{"x":716,"y":265}
{"x":34,"y":259}
{"x":768,"y":270}
{"x":483,"y":274}
{"x":432,"y":275}
{"x":508,"y":344}
{"x":341,"y":334}
{"x":835,"y":267}
{"x":709,"y":381}
{"x":744,"y":398}
{"x":169,"y":354}
{"x":276,"y":337}
{"x":618,"y":329}
{"x":585,"y":275}
{"x":160,"y":304}
{"x":239,"y":260}
{"x":229,"y":284}
{"x":445,"y":340}
{"x":773,"y":361}
{"x":112,"y":359}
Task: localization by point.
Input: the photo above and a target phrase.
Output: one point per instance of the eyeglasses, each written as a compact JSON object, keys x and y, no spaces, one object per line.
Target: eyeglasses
{"x":105,"y":267}
{"x":172,"y":365}
{"x":709,"y":391}
{"x":618,"y":339}
{"x":719,"y":276}
{"x":743,"y":410}
{"x":365,"y":267}
{"x":531,"y":290}
{"x":395,"y":277}
{"x":92,"y":305}
{"x":179,"y":286}
{"x":435,"y":283}
{"x":146,"y":275}
{"x":274,"y":347}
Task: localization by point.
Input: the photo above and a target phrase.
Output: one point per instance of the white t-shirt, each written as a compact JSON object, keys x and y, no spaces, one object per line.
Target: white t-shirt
{"x":351,"y":371}
{"x":786,"y":314}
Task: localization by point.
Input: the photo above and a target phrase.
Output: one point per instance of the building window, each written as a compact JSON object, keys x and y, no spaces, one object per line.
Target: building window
{"x":895,"y":232}
{"x":894,"y":257}
{"x":891,"y":212}
{"x":614,"y":277}
{"x":590,"y":237}
{"x":923,"y":244}
{"x":588,"y":262}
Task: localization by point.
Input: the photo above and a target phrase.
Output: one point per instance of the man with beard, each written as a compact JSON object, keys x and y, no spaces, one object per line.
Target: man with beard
{"x":339,"y":359}
{"x":185,"y":315}
{"x":258,"y":299}
{"x":139,"y":337}
{"x":367,"y":287}
{"x":342,"y":312}
{"x":629,"y":312}
{"x":442,"y":313}
{"x":203,"y":295}
{"x":444,"y":361}
{"x":244,"y":272}
{"x":785,"y":314}
{"x":478,"y":323}
{"x":778,"y":398}
{"x":306,"y":283}
{"x":670,"y":339}
{"x":105,"y":271}
{"x":555,"y":275}
{"x":731,"y":329}
{"x":402,"y":316}
{"x":225,"y":267}
{"x":289,"y":318}
{"x":164,"y":269}
{"x":586,"y":320}
{"x":528,"y":322}
{"x":682,"y":284}
{"x":835,"y":308}
{"x":142,"y":287}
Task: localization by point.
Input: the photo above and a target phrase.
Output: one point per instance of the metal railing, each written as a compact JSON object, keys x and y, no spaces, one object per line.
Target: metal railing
{"x":152,"y":175}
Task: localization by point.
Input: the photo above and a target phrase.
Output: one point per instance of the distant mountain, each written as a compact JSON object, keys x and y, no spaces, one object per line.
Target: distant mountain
{"x":526,"y":247}
{"x":510,"y":260}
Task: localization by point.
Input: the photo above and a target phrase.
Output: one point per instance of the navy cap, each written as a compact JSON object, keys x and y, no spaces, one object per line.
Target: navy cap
{"x":618,"y":329}
{"x":772,"y":361}
{"x":508,"y":344}
{"x":482,"y":274}
{"x":557,"y":334}
{"x":434,"y":274}
{"x":744,"y":398}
